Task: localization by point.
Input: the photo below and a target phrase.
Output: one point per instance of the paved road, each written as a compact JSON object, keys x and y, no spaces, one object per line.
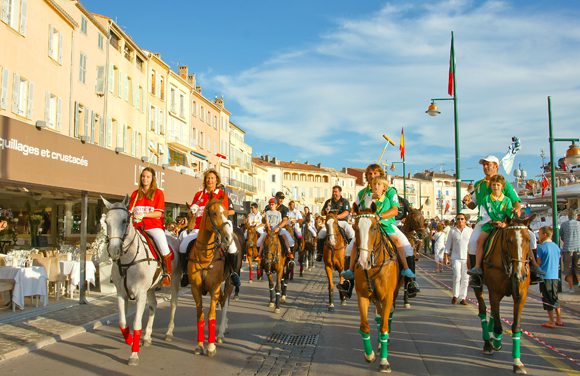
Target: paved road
{"x":431,"y":338}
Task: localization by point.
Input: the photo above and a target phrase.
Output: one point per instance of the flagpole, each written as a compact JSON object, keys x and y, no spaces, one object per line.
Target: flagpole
{"x":457,"y":163}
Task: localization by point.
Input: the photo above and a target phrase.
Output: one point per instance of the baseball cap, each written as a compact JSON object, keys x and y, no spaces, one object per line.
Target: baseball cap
{"x":280,"y":195}
{"x":272,"y":201}
{"x":489,"y":158}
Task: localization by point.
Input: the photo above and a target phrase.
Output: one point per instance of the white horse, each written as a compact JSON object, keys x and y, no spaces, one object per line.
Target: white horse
{"x":136,"y":274}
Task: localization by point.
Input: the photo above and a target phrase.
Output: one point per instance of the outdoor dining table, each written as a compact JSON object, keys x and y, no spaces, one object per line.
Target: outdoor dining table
{"x":30,"y":281}
{"x":72,"y":270}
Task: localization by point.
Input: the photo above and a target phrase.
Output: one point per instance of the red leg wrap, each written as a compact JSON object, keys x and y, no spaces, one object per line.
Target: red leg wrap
{"x":200,"y":331}
{"x":211,"y":336}
{"x":136,"y":340}
{"x":251,"y":274}
{"x":127,"y":335}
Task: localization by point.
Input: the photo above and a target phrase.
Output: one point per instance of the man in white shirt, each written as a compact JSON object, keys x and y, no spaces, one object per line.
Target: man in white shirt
{"x":255,"y":220}
{"x":295,"y":219}
{"x":456,"y":246}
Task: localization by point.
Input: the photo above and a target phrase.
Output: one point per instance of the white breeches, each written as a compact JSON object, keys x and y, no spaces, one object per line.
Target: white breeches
{"x":283,"y":232}
{"x":404,"y":241}
{"x":297,"y":230}
{"x":460,"y":278}
{"x":158,"y":236}
{"x":472,"y":246}
{"x":184,"y":240}
{"x":349,"y":231}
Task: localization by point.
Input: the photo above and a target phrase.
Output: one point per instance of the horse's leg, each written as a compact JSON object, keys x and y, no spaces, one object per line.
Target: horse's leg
{"x":279,"y":278}
{"x":249,"y":259}
{"x":152,"y":304}
{"x":175,"y":282}
{"x":125,"y":330}
{"x":141,"y":301}
{"x":387,"y":308}
{"x":365,"y":329}
{"x":519,"y":302}
{"x":211,"y":337}
{"x":284,"y":284}
{"x":196,"y":282}
{"x":224,"y":316}
{"x":495,"y":299}
{"x":485,"y":331}
{"x":339,"y":269}
{"x":330,"y":286}
{"x":271,"y":287}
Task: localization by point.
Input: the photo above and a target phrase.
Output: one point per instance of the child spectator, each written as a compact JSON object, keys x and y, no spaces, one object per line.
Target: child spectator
{"x":549,"y":260}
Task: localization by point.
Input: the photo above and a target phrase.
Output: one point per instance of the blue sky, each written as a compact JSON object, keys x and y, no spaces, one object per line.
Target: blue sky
{"x":323,"y":80}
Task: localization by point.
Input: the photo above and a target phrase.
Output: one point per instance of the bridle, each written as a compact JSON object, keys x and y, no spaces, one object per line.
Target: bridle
{"x":216,"y":244}
{"x":124,"y":249}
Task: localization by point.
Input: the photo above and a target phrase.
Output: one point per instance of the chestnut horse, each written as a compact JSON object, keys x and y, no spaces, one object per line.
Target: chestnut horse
{"x":252,"y":250}
{"x":207,"y":271}
{"x":273,"y":261}
{"x":506,"y":271}
{"x":414,"y":229}
{"x":333,"y":256}
{"x":377,"y":279}
{"x":308,"y":246}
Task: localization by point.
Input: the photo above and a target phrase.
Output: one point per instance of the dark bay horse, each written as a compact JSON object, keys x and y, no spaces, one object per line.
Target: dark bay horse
{"x":207,"y":272}
{"x":274,"y":261}
{"x":252,"y":250}
{"x":377,"y":279}
{"x":333,"y":257}
{"x":414,"y":229}
{"x":308,"y":246}
{"x":506,"y":272}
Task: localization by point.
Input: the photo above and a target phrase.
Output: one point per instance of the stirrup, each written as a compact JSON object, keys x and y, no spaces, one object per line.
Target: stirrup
{"x":412,"y":289}
{"x":345,"y":287}
{"x":165,"y":280}
{"x":475,"y":271}
{"x":475,"y":282}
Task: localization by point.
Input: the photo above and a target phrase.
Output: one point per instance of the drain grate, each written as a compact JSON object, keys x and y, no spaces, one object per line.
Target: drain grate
{"x":293,"y":340}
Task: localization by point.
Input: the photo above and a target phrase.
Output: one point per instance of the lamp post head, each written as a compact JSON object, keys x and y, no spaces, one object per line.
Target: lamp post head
{"x":573,"y":154}
{"x":393,"y":168}
{"x":428,"y":201}
{"x":433,"y":110}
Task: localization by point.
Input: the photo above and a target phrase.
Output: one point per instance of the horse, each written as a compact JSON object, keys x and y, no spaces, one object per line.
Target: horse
{"x":289,"y":267}
{"x":136,"y":274}
{"x":333,"y":256}
{"x":274,"y":261}
{"x":377,"y":279}
{"x":252,"y":249}
{"x":413,"y":228}
{"x":207,"y":272}
{"x":506,"y":271}
{"x":308,"y":246}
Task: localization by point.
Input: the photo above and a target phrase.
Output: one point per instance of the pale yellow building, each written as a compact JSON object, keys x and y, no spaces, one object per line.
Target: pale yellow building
{"x":345,"y":181}
{"x":126,"y":92}
{"x":35,"y":63}
{"x":180,"y":140}
{"x":156,"y":144}
{"x":241,"y":175}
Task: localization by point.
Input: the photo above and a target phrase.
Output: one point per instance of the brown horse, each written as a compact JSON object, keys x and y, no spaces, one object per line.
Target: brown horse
{"x":377,"y":279}
{"x":274,"y":261}
{"x":414,"y":229}
{"x":506,"y":271}
{"x":308,"y":246}
{"x":252,"y":251}
{"x":206,"y":271}
{"x":333,"y":257}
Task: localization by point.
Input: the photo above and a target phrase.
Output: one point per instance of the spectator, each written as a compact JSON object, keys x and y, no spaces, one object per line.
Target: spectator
{"x":549,"y":259}
{"x":570,"y":237}
{"x":439,"y":251}
{"x":456,"y":246}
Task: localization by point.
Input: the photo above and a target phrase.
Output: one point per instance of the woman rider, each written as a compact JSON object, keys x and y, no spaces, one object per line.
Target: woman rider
{"x":147,"y":206}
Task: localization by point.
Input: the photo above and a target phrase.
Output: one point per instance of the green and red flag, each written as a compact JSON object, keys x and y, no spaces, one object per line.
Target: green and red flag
{"x":451,"y":83}
{"x":402,"y":144}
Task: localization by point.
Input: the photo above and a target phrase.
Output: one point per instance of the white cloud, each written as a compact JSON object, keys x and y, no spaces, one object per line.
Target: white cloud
{"x":372,"y":75}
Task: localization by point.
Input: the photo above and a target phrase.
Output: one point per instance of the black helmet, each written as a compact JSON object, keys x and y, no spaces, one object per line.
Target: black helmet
{"x":280,"y":195}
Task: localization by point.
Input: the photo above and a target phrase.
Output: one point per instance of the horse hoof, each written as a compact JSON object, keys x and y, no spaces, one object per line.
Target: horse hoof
{"x":236,"y":298}
{"x":496,"y":348}
{"x":146,"y":342}
{"x":133,"y":361}
{"x":520,"y":370}
{"x":220,"y":339}
{"x":277,"y":310}
{"x":250,"y":281}
{"x":370,"y":358}
{"x":211,"y":350}
{"x":487,"y":349}
{"x":168,"y":338}
{"x":407,"y":305}
{"x":283,"y":299}
{"x":385,"y":368}
{"x":331,"y":308}
{"x":343,"y":302}
{"x":271,"y":305}
{"x":198,"y":351}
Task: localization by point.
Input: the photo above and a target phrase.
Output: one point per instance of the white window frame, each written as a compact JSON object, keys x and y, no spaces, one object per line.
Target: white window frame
{"x":83,"y":68}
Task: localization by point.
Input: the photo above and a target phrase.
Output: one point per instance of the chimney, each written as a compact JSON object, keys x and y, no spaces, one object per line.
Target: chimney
{"x":275,"y":160}
{"x":198,"y":89}
{"x":183,"y":71}
{"x":266,"y":158}
{"x":318,"y":164}
{"x":191,"y":79}
{"x":345,"y":170}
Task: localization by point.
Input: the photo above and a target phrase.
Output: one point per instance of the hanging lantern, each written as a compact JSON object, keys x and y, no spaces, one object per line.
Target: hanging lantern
{"x":573,"y":155}
{"x":433,"y":110}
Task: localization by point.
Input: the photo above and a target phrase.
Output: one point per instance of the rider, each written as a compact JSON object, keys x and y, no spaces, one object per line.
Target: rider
{"x":255,"y":220}
{"x":295,"y":218}
{"x":341,"y":207}
{"x":311,"y":224}
{"x":147,"y":206}
{"x":211,"y":186}
{"x":274,"y":223}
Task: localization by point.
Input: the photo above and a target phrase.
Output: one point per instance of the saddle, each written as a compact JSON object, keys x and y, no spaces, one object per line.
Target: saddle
{"x":150,"y":243}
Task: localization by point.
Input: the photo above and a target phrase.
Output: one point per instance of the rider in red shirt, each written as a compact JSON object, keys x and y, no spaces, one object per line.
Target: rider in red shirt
{"x":147,"y":206}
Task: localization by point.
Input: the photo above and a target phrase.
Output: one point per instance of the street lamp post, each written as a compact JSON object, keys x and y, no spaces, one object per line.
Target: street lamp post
{"x":434,"y":111}
{"x":556,"y":228}
{"x":404,"y":177}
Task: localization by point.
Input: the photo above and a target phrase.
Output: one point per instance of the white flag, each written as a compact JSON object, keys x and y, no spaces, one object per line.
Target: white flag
{"x":508,"y":160}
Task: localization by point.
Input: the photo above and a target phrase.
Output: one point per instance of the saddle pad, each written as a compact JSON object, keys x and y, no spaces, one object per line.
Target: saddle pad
{"x":152,"y":246}
{"x":487,"y":247}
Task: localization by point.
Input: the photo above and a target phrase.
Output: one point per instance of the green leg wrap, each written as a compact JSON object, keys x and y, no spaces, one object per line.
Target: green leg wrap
{"x":384,"y":340}
{"x":378,"y":320}
{"x":368,"y":346}
{"x":497,"y":339}
{"x":484,"y":331}
{"x":390,"y":320}
{"x":516,"y":345}
{"x":490,"y":325}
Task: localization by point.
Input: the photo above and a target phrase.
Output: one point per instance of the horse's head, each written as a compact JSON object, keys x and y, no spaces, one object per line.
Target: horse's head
{"x":415,"y":222}
{"x":331,"y":224}
{"x":118,"y":221}
{"x":190,"y":216}
{"x":215,"y":219}
{"x":366,"y":231}
{"x":272,"y":247}
{"x":517,"y":245}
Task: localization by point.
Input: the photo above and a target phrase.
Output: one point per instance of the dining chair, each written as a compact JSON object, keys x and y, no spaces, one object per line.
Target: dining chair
{"x":6,"y":290}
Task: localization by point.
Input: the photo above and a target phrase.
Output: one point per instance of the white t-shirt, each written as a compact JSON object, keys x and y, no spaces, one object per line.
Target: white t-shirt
{"x":294,"y":215}
{"x":457,"y":243}
{"x":255,"y":219}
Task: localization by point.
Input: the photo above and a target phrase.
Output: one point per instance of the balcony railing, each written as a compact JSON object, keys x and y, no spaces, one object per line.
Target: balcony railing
{"x":238,"y":184}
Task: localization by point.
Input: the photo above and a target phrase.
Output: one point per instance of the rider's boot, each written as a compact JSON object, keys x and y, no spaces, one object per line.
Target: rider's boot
{"x":183,"y":261}
{"x":536,"y":274}
{"x":319,"y":249}
{"x":167,"y":269}
{"x":231,"y":261}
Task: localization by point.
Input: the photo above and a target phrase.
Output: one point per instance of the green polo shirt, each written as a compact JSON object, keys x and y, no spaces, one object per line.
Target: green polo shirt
{"x":482,"y":189}
{"x":389,"y":200}
{"x":498,"y":210}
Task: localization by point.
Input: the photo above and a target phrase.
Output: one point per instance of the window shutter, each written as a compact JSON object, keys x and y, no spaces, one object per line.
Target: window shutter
{"x":111,"y":82}
{"x":100,"y":86}
{"x":23,"y":12}
{"x":135,"y":93}
{"x":15,"y":93}
{"x":86,"y":122}
{"x":50,"y":46}
{"x":60,"y":47}
{"x":109,"y":133}
{"x":4,"y":89}
{"x":47,"y":109}
{"x":58,"y":113}
{"x":102,"y":132}
{"x":4,"y":14}
{"x":93,"y":121}
{"x":77,"y":124}
{"x":30,"y":100}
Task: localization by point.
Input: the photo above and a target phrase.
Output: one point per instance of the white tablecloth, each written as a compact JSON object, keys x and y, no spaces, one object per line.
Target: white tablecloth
{"x":72,"y":269}
{"x":28,"y":282}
